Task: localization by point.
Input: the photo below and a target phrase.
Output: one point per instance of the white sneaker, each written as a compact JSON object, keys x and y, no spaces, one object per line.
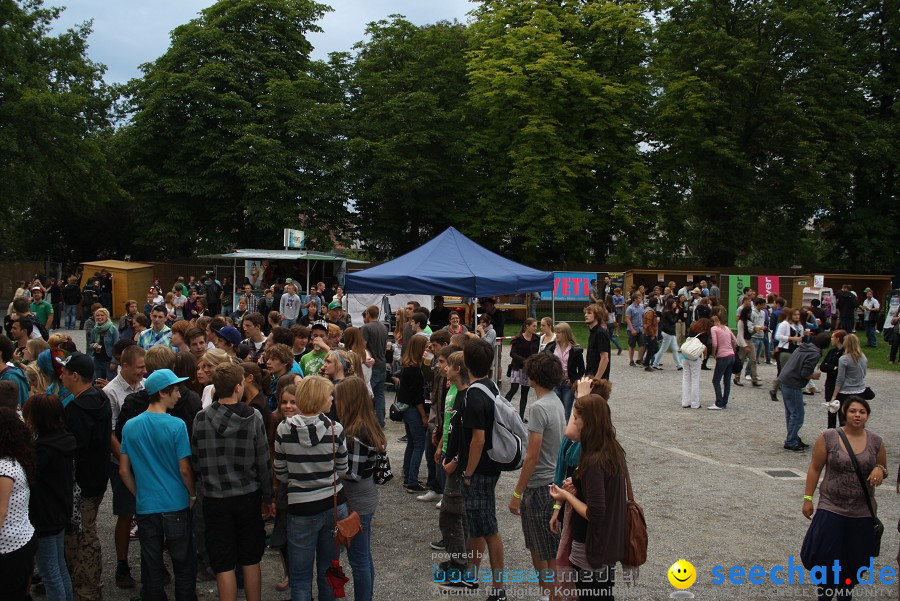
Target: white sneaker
{"x":439,"y":503}
{"x":748,"y":377}
{"x":430,"y":496}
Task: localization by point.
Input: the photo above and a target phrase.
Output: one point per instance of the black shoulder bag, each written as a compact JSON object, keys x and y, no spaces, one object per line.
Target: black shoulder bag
{"x":879,"y":527}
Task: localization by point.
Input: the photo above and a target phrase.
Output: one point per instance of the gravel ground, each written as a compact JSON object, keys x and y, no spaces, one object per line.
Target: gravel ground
{"x":700,"y":476}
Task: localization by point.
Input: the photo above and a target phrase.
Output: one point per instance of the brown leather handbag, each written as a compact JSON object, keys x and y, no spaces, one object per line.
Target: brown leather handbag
{"x":635,"y":529}
{"x":350,"y":526}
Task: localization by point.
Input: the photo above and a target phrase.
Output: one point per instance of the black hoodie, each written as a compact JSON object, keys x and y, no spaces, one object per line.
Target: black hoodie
{"x":137,"y":402}
{"x":89,"y":419}
{"x":50,"y":505}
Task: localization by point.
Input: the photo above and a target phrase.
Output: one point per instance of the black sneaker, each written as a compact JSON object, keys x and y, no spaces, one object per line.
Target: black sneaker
{"x":773,"y":395}
{"x":458,"y":582}
{"x":500,"y":596}
{"x":795,"y":448}
{"x":402,"y":438}
{"x":414,"y":488}
{"x":802,"y":445}
{"x":439,"y":545}
{"x":123,"y":576}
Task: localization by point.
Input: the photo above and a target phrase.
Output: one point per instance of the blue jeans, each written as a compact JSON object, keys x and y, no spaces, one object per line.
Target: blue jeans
{"x":71,"y":316}
{"x":378,"y":377}
{"x":359,"y":554}
{"x":175,"y":532}
{"x":51,"y":564}
{"x":415,"y":445}
{"x":872,"y":333}
{"x":310,"y":540}
{"x":435,"y":482}
{"x":567,"y":396}
{"x":668,"y":342}
{"x":793,"y":413}
{"x":723,"y":370}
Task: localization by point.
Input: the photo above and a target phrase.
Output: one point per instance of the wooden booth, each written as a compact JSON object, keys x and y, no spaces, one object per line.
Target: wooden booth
{"x":130,"y":281}
{"x":661,"y":276}
{"x":879,"y":283}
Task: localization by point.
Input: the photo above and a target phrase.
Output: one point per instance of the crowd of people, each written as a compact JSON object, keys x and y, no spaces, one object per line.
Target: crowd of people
{"x":208,"y":423}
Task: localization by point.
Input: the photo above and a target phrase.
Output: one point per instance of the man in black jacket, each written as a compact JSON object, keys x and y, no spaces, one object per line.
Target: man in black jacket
{"x":846,"y":305}
{"x":89,"y":418}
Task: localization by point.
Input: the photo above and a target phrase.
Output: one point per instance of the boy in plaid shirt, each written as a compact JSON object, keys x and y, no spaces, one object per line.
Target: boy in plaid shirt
{"x":231,"y":460}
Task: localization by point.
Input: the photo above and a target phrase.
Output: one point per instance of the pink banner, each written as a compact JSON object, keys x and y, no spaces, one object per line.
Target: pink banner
{"x":768,"y":284}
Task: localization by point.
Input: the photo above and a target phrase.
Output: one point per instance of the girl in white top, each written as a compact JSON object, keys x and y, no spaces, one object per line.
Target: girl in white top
{"x":547,"y":333}
{"x":17,"y":541}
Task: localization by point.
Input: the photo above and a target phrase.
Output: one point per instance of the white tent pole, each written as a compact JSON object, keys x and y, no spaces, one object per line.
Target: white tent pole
{"x":234,"y":302}
{"x":553,"y":300}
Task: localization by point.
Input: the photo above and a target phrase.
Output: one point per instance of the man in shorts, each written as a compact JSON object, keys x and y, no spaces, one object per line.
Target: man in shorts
{"x":531,"y":497}
{"x":230,"y":455}
{"x":634,"y":319}
{"x":480,"y":474}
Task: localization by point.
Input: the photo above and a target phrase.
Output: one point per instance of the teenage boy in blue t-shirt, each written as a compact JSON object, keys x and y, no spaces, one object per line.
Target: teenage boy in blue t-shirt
{"x":156,"y":467}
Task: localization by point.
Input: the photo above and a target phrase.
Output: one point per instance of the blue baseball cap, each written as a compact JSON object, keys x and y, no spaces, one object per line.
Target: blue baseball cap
{"x":160,"y":380}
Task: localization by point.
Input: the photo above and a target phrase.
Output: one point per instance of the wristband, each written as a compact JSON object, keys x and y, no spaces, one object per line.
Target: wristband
{"x":883,"y":469}
{"x":807,"y":498}
{"x":516,"y":495}
{"x":557,"y":506}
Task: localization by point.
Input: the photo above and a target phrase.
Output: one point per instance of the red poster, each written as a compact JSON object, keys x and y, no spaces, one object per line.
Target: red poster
{"x":768,"y":284}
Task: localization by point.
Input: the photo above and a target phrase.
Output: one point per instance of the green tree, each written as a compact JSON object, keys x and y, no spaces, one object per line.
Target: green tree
{"x":235,"y":133}
{"x":753,"y":127}
{"x":859,"y":231}
{"x":408,"y":171}
{"x":559,"y":94}
{"x":57,"y":191}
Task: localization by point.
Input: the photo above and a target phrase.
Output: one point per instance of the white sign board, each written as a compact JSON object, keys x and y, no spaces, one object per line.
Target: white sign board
{"x":294,"y":239}
{"x":818,"y":281}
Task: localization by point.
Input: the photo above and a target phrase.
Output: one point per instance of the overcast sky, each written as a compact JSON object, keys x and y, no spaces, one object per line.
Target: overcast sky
{"x":127,"y":33}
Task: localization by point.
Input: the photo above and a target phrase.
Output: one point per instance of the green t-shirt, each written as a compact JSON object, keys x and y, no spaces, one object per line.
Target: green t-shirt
{"x":449,"y":400}
{"x":43,"y":310}
{"x":313,"y":362}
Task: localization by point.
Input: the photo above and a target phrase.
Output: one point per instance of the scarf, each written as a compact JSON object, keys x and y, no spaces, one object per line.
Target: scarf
{"x":98,"y":330}
{"x":569,"y":454}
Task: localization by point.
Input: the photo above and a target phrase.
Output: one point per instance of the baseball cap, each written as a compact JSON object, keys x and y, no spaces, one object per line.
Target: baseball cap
{"x":160,"y":380}
{"x":334,"y":305}
{"x":39,"y":289}
{"x":81,"y":364}
{"x":319,"y":325}
{"x":231,"y":334}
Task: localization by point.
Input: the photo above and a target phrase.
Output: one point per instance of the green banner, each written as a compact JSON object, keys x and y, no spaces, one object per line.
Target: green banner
{"x":737,"y":283}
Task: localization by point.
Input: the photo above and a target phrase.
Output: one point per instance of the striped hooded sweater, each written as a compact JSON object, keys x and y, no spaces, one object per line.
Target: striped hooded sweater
{"x":304,"y":462}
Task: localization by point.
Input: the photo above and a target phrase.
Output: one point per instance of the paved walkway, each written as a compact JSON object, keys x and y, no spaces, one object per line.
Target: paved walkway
{"x":703,"y":478}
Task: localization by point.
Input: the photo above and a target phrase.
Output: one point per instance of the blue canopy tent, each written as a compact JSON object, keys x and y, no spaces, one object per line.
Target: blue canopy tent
{"x":450,"y":264}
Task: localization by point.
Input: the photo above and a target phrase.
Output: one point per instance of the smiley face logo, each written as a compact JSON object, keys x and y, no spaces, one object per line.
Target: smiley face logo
{"x":682,"y":574}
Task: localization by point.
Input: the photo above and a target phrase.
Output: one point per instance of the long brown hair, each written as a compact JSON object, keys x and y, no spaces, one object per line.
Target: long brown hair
{"x":357,"y":417}
{"x":413,"y":350}
{"x":599,"y":447}
{"x":354,"y":341}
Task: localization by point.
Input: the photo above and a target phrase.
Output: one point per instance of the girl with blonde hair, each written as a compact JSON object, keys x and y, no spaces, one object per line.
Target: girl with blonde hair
{"x":851,"y":374}
{"x":571,"y":356}
{"x":310,"y":460}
